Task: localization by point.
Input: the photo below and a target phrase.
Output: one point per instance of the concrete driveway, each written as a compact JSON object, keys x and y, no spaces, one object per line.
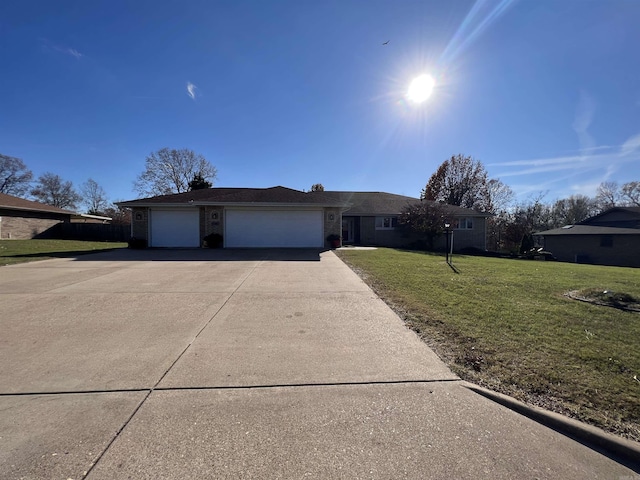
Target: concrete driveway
{"x":241,"y":364}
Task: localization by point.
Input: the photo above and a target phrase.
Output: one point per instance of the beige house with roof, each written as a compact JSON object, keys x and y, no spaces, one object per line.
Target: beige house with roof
{"x":23,"y":219}
{"x":283,"y":217}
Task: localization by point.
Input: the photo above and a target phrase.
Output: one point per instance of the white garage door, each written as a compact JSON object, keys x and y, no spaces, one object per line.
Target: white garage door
{"x":274,"y":228}
{"x":175,"y":228}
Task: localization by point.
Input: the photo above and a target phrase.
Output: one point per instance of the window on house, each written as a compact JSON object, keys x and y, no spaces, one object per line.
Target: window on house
{"x":463,"y":224}
{"x":386,"y":223}
{"x":606,"y":241}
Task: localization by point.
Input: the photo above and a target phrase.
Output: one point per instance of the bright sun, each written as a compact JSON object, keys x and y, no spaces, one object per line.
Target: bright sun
{"x":421,"y":88}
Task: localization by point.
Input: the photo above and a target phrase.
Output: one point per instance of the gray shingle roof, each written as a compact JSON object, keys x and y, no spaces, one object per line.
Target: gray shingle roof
{"x":355,"y":203}
{"x":235,"y":196}
{"x":369,"y":203}
{"x":16,"y":203}
{"x":614,"y":221}
{"x":589,"y":230}
{"x":382,"y":203}
{"x":621,"y":217}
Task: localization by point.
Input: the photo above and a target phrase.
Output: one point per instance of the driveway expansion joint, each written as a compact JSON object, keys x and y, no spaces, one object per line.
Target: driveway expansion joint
{"x":75,"y":392}
{"x":150,"y":391}
{"x":233,"y":387}
{"x":311,"y":384}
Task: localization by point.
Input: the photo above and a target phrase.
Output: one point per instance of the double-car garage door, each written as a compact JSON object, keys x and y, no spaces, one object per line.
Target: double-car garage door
{"x":243,"y":228}
{"x":246,"y":228}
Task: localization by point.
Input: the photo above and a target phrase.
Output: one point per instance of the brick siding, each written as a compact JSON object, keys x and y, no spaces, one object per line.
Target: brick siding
{"x":28,"y":225}
{"x":332,"y":223}
{"x":140,"y":223}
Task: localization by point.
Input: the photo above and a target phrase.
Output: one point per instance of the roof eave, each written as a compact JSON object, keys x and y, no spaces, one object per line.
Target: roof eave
{"x":40,"y":210}
{"x":229,"y":204}
{"x":95,"y":217}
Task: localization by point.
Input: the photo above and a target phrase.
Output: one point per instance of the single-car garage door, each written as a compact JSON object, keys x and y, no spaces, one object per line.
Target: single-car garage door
{"x":175,"y":228}
{"x":246,"y":228}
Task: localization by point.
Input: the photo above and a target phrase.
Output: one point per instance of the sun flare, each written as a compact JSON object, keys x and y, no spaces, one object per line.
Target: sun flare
{"x":421,"y":88}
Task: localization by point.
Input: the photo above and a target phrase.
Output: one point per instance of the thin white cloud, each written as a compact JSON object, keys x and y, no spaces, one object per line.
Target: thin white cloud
{"x":560,"y":173}
{"x":604,"y":160}
{"x":74,"y":53}
{"x":536,"y":170}
{"x":601,"y":156}
{"x":631,"y":145}
{"x":588,"y":188}
{"x":49,"y":46}
{"x":539,"y":162}
{"x":191,"y":90}
{"x":584,"y":116}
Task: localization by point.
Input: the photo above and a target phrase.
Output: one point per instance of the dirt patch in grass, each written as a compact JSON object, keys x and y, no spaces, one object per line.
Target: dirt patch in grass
{"x":606,"y":298}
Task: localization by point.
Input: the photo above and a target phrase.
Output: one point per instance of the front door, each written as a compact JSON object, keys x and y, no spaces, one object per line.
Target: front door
{"x":347,"y":230}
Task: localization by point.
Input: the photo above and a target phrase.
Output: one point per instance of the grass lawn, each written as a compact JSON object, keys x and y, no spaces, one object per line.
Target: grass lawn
{"x":19,"y":251}
{"x":506,"y":325}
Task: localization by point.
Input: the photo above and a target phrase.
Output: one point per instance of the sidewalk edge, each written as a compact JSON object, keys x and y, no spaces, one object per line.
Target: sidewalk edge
{"x":620,"y":449}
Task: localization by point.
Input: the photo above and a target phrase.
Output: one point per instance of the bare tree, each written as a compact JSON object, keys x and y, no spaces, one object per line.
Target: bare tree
{"x":500,"y":195}
{"x":459,"y":181}
{"x":607,"y":196}
{"x":93,"y":197}
{"x":52,"y":190}
{"x":523,"y":220}
{"x":15,"y":177}
{"x":572,"y":210}
{"x":630,"y":192}
{"x":170,"y":171}
{"x":500,"y":199}
{"x":119,"y":216}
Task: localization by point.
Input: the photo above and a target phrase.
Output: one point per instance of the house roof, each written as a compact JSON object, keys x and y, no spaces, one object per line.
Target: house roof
{"x":354,"y":203}
{"x":369,"y":203}
{"x":16,"y":203}
{"x":621,"y":217}
{"x":589,"y":230}
{"x":605,"y":223}
{"x":634,"y":211}
{"x":382,"y":203}
{"x":236,"y":196}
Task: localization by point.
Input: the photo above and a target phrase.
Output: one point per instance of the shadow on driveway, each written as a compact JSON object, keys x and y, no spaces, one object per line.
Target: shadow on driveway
{"x":202,"y":254}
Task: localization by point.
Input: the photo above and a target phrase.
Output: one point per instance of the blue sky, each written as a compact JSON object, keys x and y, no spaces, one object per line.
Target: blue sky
{"x":546,"y":93}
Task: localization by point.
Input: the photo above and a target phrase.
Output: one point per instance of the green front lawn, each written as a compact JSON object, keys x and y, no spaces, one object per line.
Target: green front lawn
{"x":506,"y":324}
{"x":19,"y":251}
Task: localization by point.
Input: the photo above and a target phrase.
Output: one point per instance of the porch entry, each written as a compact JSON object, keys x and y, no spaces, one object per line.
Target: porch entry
{"x":350,"y":230}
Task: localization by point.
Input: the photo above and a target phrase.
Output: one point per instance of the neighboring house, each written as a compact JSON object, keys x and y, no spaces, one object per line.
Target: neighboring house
{"x":25,"y":219}
{"x":281,"y":217}
{"x":610,"y":238}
